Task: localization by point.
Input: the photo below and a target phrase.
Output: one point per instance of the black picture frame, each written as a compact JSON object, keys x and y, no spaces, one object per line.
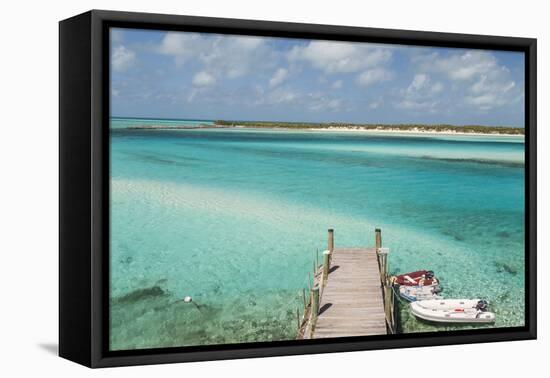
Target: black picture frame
{"x":84,"y":184}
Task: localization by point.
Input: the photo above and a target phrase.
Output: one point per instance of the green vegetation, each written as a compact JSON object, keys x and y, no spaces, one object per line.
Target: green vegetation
{"x":381,"y":127}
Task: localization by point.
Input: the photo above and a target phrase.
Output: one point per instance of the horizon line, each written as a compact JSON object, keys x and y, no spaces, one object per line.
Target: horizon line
{"x":313,"y":122}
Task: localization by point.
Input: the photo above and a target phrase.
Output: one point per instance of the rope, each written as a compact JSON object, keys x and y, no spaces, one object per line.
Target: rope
{"x":398,"y":296}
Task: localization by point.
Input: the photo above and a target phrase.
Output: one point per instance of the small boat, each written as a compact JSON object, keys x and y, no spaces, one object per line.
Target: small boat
{"x":453,"y":311}
{"x":418,"y":278}
{"x":417,"y":293}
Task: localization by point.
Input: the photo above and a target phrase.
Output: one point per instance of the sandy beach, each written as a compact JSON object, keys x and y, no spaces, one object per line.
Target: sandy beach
{"x":413,"y":131}
{"x":351,"y":129}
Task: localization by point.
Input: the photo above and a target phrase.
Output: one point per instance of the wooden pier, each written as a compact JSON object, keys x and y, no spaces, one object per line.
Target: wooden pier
{"x":350,"y":294}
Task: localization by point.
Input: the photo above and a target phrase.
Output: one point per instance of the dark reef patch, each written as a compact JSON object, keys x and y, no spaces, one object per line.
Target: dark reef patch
{"x":503,"y":234}
{"x":502,"y":163}
{"x":458,"y":237}
{"x":141,"y":294}
{"x":505,"y":268}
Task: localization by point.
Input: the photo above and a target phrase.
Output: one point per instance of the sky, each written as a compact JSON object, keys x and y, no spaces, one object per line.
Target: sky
{"x":183,"y":75}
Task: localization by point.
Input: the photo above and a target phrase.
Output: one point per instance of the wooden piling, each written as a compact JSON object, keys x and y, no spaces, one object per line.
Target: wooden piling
{"x":314,"y":307}
{"x":392,"y":308}
{"x":378,"y":237}
{"x":330,"y":239}
{"x":382,"y":254}
{"x":326,"y":266}
{"x":387,"y":307}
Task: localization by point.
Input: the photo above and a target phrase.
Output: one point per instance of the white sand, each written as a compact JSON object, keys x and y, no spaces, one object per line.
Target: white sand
{"x":410,"y":131}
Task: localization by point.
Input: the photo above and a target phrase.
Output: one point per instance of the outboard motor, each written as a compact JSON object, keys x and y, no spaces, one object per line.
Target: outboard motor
{"x":482,"y":305}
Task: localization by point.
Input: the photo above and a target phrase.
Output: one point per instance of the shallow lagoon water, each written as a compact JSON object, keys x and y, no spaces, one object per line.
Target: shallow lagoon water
{"x":234,"y":217}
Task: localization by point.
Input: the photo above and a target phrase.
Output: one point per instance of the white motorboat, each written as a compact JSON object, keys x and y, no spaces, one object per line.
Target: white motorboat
{"x":453,"y":310}
{"x":417,"y":293}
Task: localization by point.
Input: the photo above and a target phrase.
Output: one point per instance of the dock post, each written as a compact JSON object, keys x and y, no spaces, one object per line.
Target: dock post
{"x":382,"y":254}
{"x":326,"y":266}
{"x":314,"y":307}
{"x":392,"y":308}
{"x":331,"y":239}
{"x":378,"y":246}
{"x":387,"y":306}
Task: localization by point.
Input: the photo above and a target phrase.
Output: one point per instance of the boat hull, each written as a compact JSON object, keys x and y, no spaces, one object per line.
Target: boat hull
{"x":416,"y":293}
{"x":451,"y":311}
{"x":417,"y":278}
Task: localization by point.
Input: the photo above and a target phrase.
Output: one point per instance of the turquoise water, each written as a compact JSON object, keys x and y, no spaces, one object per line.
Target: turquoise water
{"x":233,"y":218}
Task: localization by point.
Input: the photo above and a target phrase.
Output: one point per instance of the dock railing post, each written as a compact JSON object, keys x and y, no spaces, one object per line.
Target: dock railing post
{"x":314,"y":308}
{"x":382,"y":254}
{"x":392,"y":308}
{"x":388,"y":294}
{"x":330,"y":240}
{"x":326,"y":266}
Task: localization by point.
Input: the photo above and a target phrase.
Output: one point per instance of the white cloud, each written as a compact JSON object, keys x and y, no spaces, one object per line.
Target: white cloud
{"x":122,"y":58}
{"x":418,"y":105}
{"x":437,"y":87}
{"x":375,"y":104}
{"x":422,"y":85}
{"x":203,"y":79}
{"x":464,"y":65}
{"x":281,"y":95}
{"x":420,"y":94}
{"x":182,"y":46}
{"x":491,"y":82}
{"x":374,"y":75}
{"x":248,"y":43}
{"x":278,"y":77}
{"x":222,"y":56}
{"x":318,"y":101}
{"x":334,"y":104}
{"x":337,"y":84}
{"x":476,"y":76}
{"x":278,"y":95}
{"x":492,"y":91}
{"x":313,"y":101}
{"x":340,"y":57}
{"x":468,"y":65}
{"x":419,"y":81}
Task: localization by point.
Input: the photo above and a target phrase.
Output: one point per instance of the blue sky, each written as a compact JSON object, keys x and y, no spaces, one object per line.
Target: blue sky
{"x":211,"y":76}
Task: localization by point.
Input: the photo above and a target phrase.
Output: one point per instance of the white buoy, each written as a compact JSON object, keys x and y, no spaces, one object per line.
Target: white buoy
{"x":188,"y":299}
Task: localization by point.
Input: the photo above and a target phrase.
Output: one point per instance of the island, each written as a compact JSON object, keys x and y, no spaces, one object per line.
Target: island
{"x":338,"y":126}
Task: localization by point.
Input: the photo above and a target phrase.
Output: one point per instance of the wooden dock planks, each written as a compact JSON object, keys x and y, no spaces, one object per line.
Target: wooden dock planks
{"x":351,"y":303}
